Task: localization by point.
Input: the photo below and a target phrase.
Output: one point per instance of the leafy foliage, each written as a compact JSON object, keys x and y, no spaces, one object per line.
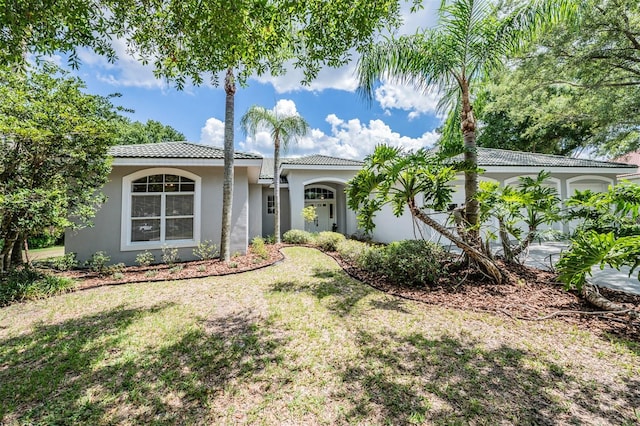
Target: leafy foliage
{"x":145,"y":258}
{"x":391,"y":176}
{"x":328,"y":241}
{"x":129,"y":132}
{"x":415,"y":263}
{"x":531,"y":203}
{"x":206,"y":250}
{"x":258,"y":247}
{"x":52,"y":152}
{"x":579,"y":87}
{"x":170,"y":255}
{"x":98,"y":262}
{"x":609,"y":234}
{"x":28,"y":283}
{"x":297,"y":236}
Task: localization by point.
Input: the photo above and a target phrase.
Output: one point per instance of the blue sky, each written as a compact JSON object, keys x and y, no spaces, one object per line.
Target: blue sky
{"x":342,"y":123}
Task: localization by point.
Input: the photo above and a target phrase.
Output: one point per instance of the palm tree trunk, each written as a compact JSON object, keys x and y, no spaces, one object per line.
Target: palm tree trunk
{"x":485,"y":263}
{"x":472,"y":207}
{"x":227,"y":186}
{"x":276,"y":187}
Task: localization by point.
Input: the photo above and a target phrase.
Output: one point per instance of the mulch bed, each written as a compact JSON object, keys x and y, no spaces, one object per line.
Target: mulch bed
{"x":530,"y":294}
{"x":179,"y":271}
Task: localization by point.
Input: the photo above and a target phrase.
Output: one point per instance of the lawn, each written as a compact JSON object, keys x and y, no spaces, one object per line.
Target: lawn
{"x":299,"y":343}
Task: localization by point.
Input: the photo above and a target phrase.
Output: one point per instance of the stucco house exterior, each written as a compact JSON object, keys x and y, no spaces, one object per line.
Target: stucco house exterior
{"x":170,"y":194}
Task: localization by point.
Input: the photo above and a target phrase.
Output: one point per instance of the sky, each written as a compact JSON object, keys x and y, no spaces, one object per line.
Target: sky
{"x":342,"y":123}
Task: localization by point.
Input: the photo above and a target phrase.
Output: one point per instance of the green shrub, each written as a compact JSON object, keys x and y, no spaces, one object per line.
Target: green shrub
{"x":116,"y":268}
{"x":328,"y":241}
{"x":170,"y":255}
{"x":258,"y":247}
{"x":42,"y":241}
{"x":373,"y":259}
{"x":98,"y":262}
{"x":297,"y":236}
{"x":64,"y":263}
{"x":270,"y":239}
{"x":145,"y":258}
{"x":353,"y":251}
{"x":206,"y":250}
{"x":412,"y":262}
{"x":27,"y":283}
{"x":117,"y":276}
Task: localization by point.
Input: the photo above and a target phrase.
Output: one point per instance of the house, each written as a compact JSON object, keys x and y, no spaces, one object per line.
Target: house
{"x":170,"y":194}
{"x":632,"y":158}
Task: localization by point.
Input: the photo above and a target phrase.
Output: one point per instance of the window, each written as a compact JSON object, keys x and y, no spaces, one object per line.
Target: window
{"x":271,"y":204}
{"x":159,"y":209}
{"x":318,"y":194}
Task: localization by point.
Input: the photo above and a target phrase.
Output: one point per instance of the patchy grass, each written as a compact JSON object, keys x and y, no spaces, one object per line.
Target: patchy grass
{"x":299,"y":343}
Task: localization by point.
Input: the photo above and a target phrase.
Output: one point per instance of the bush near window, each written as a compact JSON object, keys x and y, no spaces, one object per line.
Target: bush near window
{"x":206,"y":250}
{"x":297,"y":236}
{"x":170,"y":255}
{"x":27,"y":283}
{"x":328,"y":241}
{"x":98,"y":262}
{"x":414,"y":263}
{"x":145,"y":258}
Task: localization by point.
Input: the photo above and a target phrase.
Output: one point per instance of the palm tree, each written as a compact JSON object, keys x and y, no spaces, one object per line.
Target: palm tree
{"x":473,"y":40}
{"x":284,"y":130}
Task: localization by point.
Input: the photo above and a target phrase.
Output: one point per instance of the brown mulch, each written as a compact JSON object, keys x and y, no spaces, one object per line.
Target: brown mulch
{"x":530,"y":294}
{"x":179,"y":271}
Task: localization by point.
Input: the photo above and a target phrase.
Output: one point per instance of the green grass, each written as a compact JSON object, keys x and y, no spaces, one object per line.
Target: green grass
{"x":298,"y":343}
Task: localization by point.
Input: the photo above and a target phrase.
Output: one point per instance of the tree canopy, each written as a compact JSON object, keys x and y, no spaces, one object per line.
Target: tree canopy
{"x":134,"y":132}
{"x":579,"y":87}
{"x":54,"y":140}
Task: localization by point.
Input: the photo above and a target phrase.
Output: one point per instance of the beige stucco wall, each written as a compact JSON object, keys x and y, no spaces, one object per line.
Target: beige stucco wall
{"x":106,"y":234}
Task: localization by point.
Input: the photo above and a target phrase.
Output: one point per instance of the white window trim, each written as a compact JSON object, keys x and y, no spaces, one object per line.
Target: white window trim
{"x":125,"y":224}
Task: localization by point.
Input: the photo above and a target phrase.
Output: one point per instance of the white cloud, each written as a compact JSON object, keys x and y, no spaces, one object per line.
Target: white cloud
{"x":347,"y":138}
{"x":127,"y":71}
{"x":213,"y":132}
{"x":395,"y":96}
{"x":342,"y":78}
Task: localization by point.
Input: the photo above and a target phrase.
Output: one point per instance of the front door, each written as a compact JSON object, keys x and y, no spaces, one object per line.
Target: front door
{"x":324,"y":212}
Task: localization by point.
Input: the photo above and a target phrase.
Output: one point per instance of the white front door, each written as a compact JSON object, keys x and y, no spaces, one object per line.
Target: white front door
{"x":324,"y":211}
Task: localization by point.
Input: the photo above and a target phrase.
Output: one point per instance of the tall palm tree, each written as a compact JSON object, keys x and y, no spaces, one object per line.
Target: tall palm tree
{"x":284,"y":129}
{"x":472,"y":40}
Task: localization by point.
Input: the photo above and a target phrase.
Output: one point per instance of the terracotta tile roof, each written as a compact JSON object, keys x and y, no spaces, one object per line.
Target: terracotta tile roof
{"x":174,"y":150}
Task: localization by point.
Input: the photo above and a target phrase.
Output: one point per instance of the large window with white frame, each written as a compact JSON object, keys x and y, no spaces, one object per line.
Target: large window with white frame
{"x":160,"y":208}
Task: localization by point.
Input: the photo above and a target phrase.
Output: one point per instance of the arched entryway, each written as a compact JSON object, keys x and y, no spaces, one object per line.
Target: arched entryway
{"x":323,"y":199}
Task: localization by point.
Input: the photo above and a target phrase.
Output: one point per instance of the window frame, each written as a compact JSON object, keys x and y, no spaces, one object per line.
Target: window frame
{"x":271,"y":204}
{"x":126,"y":214}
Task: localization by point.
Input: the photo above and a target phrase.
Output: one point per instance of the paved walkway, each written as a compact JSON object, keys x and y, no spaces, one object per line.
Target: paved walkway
{"x":546,"y":254}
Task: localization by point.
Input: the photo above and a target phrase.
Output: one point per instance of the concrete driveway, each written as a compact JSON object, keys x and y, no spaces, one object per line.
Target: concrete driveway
{"x":545,"y":255}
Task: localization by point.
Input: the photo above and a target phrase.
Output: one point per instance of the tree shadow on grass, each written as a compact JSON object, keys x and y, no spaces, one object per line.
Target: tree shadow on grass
{"x":78,"y":372}
{"x":339,"y":292}
{"x":413,"y":379}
